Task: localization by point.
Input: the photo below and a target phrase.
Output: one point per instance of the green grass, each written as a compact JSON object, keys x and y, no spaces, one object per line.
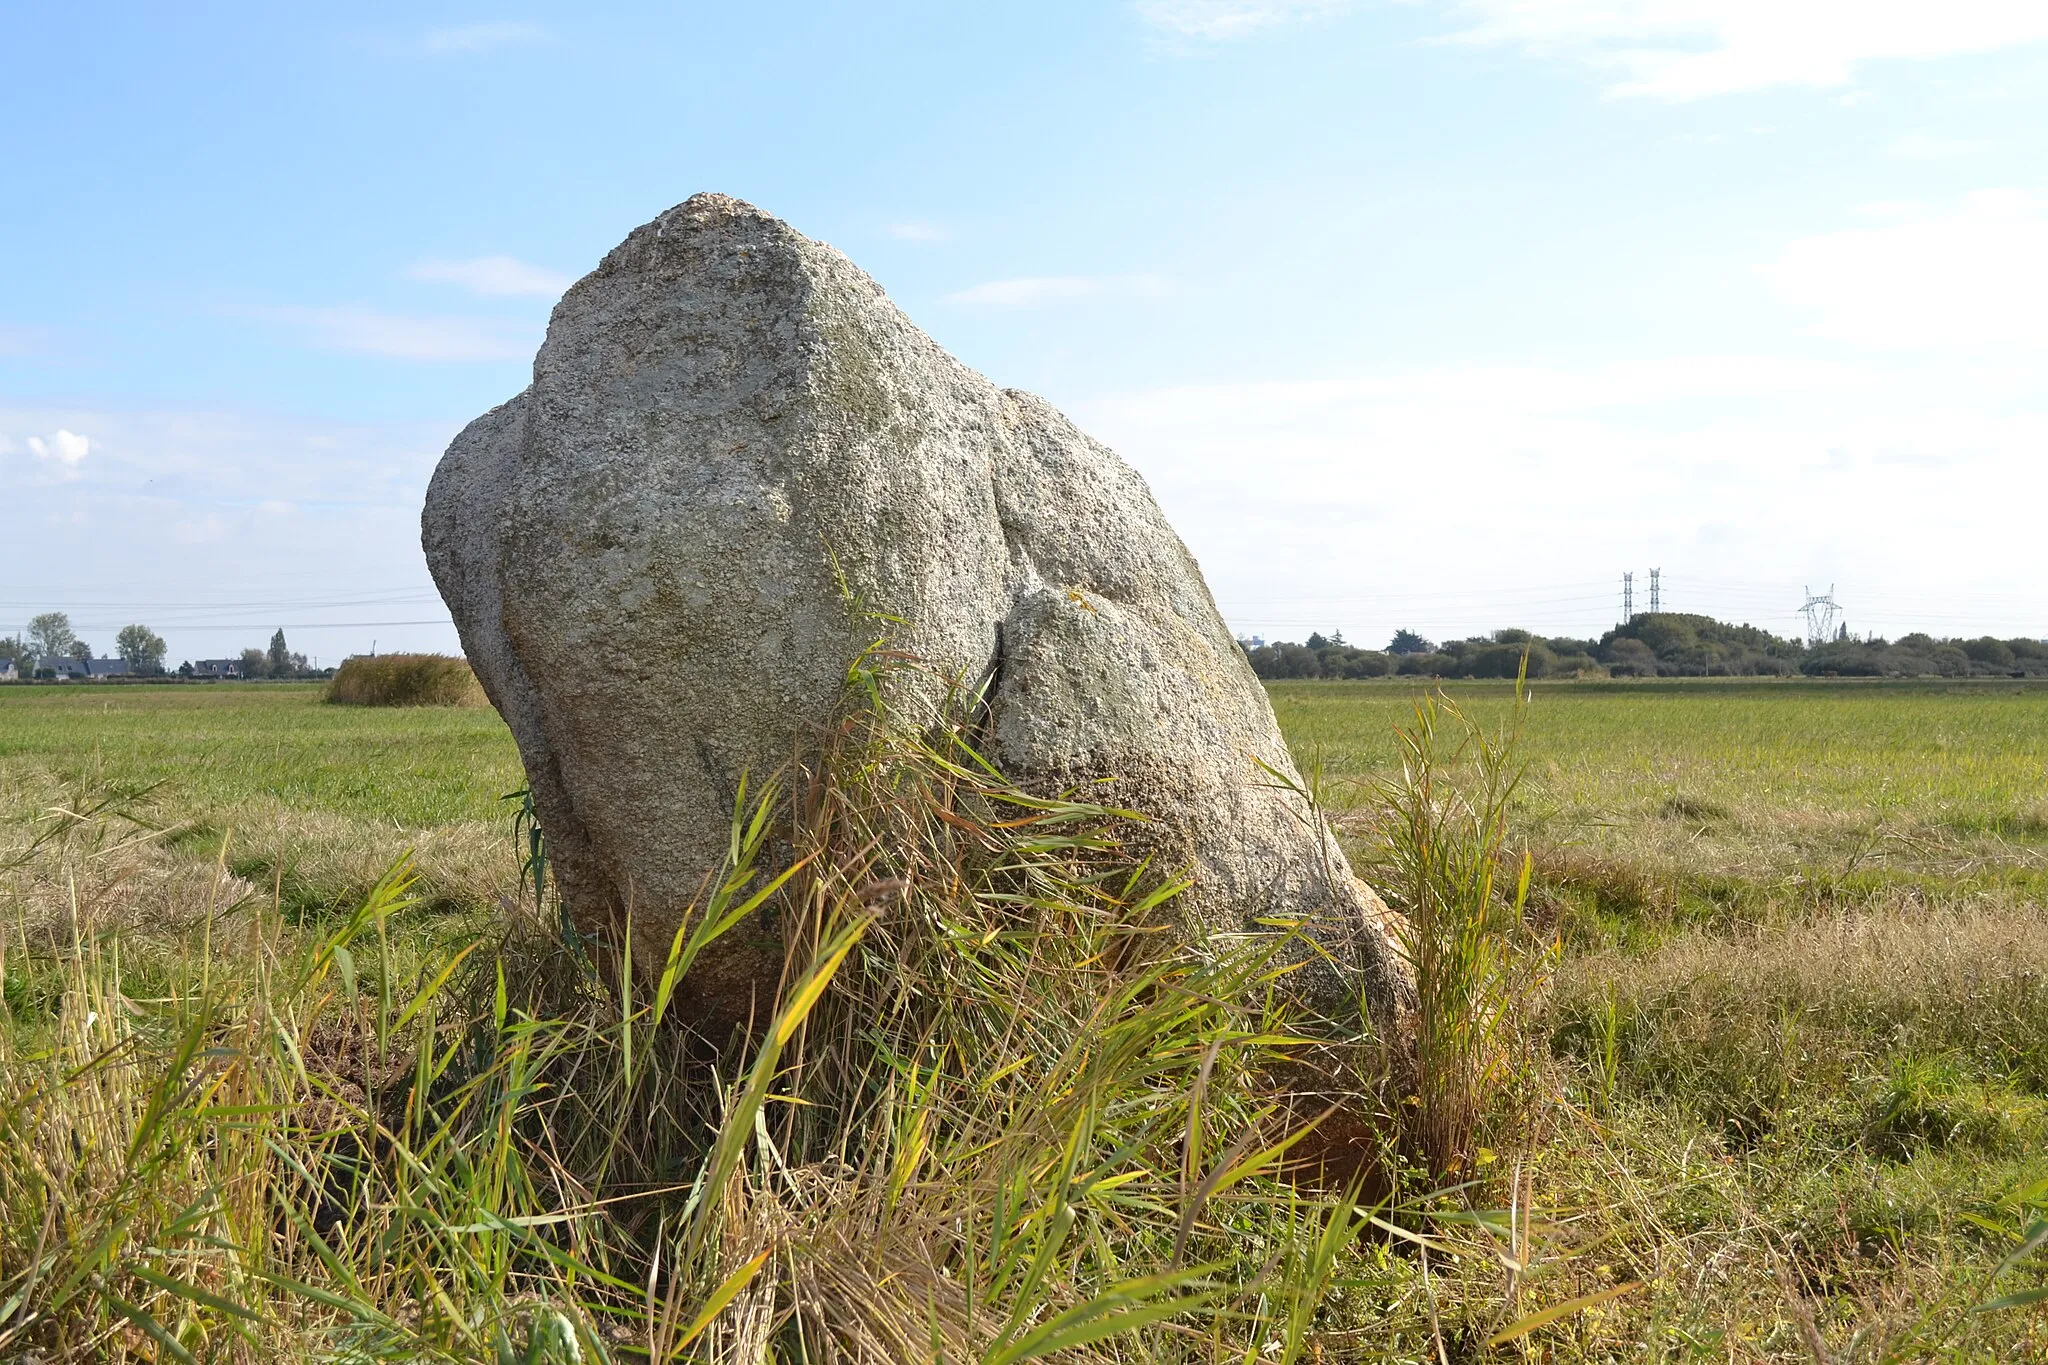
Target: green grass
{"x":1962,"y":757}
{"x":1657,"y":805}
{"x":1784,"y":1061}
{"x":231,"y":748}
{"x":314,"y":801}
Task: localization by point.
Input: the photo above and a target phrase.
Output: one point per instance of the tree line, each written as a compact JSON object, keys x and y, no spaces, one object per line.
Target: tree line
{"x":1654,"y":644}
{"x":50,"y":636}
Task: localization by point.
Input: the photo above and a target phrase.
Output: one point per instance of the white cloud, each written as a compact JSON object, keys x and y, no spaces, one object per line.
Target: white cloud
{"x":1461,"y":500}
{"x":917,"y":230}
{"x":61,"y":454}
{"x":1973,"y":275}
{"x":323,"y":517}
{"x":210,"y":458}
{"x":1526,"y":389}
{"x":1933,"y":147}
{"x":1689,"y":49}
{"x":206,"y":530}
{"x":494,"y":277}
{"x":1888,"y":208}
{"x":66,"y":447}
{"x":368,"y":332}
{"x":1036,"y":289}
{"x":1225,"y":19}
{"x":482,"y":37}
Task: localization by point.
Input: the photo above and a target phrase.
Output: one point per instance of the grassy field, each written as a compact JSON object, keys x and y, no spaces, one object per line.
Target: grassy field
{"x":1736,"y":802}
{"x":315,"y":800}
{"x":1786,"y":1085}
{"x":1800,"y":1018}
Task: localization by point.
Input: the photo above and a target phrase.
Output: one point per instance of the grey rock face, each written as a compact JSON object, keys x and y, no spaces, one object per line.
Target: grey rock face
{"x":644,"y":550}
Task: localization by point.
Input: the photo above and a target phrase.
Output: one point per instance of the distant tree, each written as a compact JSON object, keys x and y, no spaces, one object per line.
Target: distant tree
{"x":1949,"y":661}
{"x":1431,"y":665}
{"x":1364,"y":663}
{"x":1683,"y":645}
{"x":1845,"y":658}
{"x":1318,"y":643}
{"x":142,"y":647}
{"x":1631,"y":658}
{"x":14,"y":647}
{"x":80,"y":650}
{"x":185,"y":669}
{"x":1505,"y":661}
{"x":1408,"y":642}
{"x":1296,"y":661}
{"x":279,"y":659}
{"x":1986,"y":650}
{"x":255,"y":664}
{"x":50,"y":634}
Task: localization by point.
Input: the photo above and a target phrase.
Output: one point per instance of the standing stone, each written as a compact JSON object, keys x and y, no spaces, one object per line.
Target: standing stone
{"x":647,"y":555}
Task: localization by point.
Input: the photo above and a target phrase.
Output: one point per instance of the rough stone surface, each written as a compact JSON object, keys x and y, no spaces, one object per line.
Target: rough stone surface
{"x":642,"y":552}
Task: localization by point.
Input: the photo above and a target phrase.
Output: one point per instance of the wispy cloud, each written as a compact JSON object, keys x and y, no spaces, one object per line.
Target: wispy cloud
{"x":1032,"y":290}
{"x":1690,"y":49}
{"x":494,"y":277}
{"x":204,"y":530}
{"x":1225,"y":19}
{"x":60,"y":454}
{"x":483,"y":37}
{"x":917,"y":230}
{"x":368,"y":332}
{"x":1975,"y":274}
{"x":1667,"y":456}
{"x":1933,"y":147}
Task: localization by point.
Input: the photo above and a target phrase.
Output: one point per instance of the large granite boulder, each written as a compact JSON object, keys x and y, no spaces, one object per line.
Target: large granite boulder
{"x":648,"y":555}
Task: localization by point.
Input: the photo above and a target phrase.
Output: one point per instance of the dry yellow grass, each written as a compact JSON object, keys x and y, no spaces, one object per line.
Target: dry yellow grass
{"x":1794,"y":1084}
{"x":405,"y":680}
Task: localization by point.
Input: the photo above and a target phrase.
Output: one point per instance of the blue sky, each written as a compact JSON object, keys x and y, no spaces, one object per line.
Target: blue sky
{"x":1429,"y":313}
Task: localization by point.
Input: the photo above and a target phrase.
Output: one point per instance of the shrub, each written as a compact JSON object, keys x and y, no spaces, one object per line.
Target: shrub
{"x":405,"y":680}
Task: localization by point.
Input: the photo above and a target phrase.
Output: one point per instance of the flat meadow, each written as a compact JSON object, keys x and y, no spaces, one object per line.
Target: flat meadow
{"x":1780,"y":1086}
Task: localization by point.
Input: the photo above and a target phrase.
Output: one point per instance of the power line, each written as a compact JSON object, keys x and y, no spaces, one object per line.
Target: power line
{"x":266,"y":623}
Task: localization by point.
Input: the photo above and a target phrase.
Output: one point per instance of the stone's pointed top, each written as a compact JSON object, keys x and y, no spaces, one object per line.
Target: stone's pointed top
{"x":709,"y":206}
{"x":707,"y":211}
{"x":732,"y":435}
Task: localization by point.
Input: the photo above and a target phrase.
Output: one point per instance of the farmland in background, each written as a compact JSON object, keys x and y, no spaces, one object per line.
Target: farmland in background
{"x":1792,"y":1059}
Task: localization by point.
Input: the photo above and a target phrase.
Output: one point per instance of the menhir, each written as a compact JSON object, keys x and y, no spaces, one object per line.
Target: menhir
{"x":650,"y":553}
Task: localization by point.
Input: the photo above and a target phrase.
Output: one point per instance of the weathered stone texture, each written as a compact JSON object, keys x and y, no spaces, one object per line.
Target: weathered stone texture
{"x":644,"y":553}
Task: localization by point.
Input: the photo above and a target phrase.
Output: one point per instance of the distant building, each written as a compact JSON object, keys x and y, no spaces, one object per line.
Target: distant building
{"x":61,"y":667}
{"x":8,"y":672}
{"x":216,"y":668}
{"x":107,"y":668}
